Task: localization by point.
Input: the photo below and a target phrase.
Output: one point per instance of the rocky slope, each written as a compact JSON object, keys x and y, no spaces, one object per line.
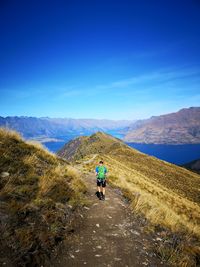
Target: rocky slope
{"x":182,"y":127}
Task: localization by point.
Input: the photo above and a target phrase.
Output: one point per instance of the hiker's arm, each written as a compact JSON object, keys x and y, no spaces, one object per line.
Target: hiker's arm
{"x":96,"y":171}
{"x":106,"y":172}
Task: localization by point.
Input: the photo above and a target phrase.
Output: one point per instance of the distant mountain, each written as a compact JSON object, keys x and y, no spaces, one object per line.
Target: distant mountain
{"x":193,"y":165}
{"x":31,"y":127}
{"x":182,"y":127}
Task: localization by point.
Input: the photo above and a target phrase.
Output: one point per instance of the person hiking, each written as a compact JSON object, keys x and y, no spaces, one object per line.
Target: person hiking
{"x":101,"y":172}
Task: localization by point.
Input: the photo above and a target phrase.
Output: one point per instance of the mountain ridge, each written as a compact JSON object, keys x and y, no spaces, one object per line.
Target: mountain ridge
{"x":166,"y":194}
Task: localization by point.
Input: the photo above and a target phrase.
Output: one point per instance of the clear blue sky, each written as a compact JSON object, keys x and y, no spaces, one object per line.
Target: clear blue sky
{"x":100,"y":58}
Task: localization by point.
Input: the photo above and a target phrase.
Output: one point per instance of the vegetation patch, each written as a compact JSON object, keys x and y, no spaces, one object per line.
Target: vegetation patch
{"x":40,"y":196}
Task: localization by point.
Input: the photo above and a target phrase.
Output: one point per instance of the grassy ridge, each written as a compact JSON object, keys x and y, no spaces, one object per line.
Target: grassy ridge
{"x":166,"y":194}
{"x":39,"y":194}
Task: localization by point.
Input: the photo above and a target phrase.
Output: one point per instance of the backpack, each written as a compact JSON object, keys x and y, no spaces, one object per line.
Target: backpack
{"x":101,"y":172}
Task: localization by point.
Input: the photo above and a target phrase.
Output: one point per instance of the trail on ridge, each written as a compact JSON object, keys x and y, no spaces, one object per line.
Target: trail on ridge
{"x":111,"y":235}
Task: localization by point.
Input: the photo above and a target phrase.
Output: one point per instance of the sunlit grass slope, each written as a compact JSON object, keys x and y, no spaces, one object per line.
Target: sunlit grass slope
{"x":166,"y":194}
{"x":39,"y":194}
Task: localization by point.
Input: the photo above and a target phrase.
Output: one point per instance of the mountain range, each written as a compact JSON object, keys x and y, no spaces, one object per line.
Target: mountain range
{"x":182,"y":127}
{"x":32,"y":127}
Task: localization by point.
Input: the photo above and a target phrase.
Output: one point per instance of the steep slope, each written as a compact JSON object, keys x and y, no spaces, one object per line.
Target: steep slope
{"x":166,"y":194}
{"x":182,"y":127}
{"x":193,"y":166}
{"x":39,"y":195}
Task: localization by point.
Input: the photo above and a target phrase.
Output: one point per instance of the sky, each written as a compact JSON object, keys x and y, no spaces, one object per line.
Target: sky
{"x":99,"y":59}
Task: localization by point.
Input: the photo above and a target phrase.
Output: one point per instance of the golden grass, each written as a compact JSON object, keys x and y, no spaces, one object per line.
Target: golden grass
{"x":160,"y":205}
{"x":36,"y":194}
{"x":8,"y":133}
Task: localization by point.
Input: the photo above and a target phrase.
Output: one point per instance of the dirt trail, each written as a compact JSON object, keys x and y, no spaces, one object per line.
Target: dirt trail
{"x":110,"y":235}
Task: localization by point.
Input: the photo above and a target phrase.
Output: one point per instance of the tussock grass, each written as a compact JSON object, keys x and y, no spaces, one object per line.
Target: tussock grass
{"x":39,"y":196}
{"x":8,"y":133}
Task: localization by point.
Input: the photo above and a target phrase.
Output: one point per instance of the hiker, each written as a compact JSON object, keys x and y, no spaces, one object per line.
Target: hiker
{"x":101,"y":172}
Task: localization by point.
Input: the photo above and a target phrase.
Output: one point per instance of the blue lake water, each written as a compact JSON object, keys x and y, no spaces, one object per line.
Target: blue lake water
{"x":177,"y":154}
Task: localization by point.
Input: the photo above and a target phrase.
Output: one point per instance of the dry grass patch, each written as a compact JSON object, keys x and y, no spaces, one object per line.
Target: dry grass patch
{"x":167,"y":208}
{"x":40,"y":196}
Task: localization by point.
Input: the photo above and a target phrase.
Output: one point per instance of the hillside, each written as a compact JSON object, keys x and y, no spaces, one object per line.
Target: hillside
{"x":168,"y":195}
{"x":182,"y":127}
{"x":32,"y":127}
{"x":193,"y":166}
{"x":40,"y":196}
{"x":84,"y":145}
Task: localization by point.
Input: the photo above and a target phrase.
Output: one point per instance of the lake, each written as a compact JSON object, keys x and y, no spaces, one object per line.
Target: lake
{"x":177,"y":154}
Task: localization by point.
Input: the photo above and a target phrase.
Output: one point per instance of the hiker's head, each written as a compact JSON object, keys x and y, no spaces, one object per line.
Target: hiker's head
{"x":101,"y":162}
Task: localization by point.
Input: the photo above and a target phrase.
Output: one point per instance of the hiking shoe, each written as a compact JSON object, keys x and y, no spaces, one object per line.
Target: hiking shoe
{"x":103,"y":197}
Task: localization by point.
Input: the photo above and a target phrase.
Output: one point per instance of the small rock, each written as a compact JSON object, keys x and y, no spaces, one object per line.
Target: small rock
{"x":86,"y":208}
{"x":135,"y":232}
{"x":95,"y":204}
{"x":99,"y":247}
{"x":97,"y":225}
{"x":94,"y":231}
{"x":145,"y":263}
{"x":109,"y":216}
{"x":77,"y":250}
{"x":114,"y":234}
{"x":3,"y":175}
{"x":117,"y":259}
{"x":159,"y":239}
{"x":70,"y":206}
{"x":97,"y":255}
{"x":72,"y":256}
{"x":85,"y":262}
{"x":81,"y":215}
